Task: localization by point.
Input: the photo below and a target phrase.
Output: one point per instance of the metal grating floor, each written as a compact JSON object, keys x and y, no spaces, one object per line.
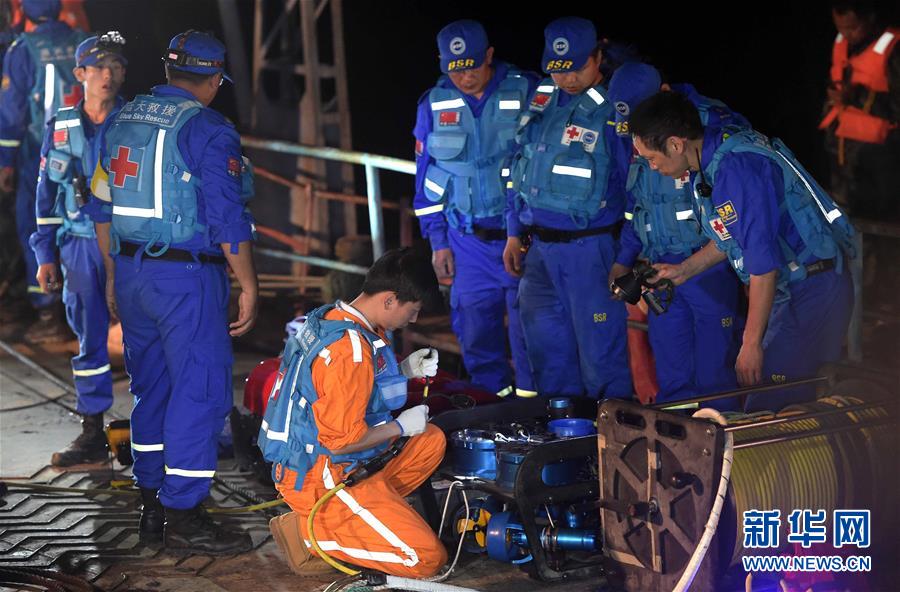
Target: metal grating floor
{"x":85,"y":535}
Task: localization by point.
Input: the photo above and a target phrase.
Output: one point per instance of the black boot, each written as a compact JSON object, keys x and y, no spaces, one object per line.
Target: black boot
{"x":88,"y":447}
{"x":195,"y":531}
{"x":153,"y":517}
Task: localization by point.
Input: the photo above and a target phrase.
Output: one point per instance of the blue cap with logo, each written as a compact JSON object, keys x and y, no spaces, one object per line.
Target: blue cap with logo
{"x":568,"y":43}
{"x":41,"y":10}
{"x":95,"y":48}
{"x":462,"y":45}
{"x":631,"y":83}
{"x":197,"y":52}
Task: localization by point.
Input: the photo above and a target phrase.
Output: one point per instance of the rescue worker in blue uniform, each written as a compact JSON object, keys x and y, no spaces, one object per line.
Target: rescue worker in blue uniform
{"x":784,"y":236}
{"x":465,"y":137}
{"x":570,"y":197}
{"x":37,"y":79}
{"x":68,"y":158}
{"x":172,"y":169}
{"x":695,"y":341}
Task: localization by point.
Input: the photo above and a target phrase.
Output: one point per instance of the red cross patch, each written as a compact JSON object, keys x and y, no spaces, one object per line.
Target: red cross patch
{"x":121,"y":167}
{"x":71,"y":98}
{"x":719,"y":228}
{"x":449,"y":118}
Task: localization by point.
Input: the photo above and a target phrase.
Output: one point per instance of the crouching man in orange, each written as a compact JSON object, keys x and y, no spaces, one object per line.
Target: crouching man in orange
{"x":331,"y":408}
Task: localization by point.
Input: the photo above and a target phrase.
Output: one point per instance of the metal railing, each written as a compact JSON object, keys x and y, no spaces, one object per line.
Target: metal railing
{"x":373,"y":164}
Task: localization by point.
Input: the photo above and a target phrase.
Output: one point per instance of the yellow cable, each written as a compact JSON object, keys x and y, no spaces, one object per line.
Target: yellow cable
{"x":312,"y":537}
{"x":242,"y":509}
{"x":120,"y":490}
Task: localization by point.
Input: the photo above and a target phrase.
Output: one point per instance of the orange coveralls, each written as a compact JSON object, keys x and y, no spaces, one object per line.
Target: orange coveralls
{"x":370,"y":524}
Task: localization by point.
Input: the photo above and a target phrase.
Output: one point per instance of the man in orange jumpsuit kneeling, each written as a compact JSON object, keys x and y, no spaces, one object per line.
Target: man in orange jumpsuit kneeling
{"x":330,"y":408}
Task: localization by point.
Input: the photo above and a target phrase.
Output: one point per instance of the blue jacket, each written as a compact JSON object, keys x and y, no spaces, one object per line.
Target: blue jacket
{"x":49,"y":48}
{"x":289,"y":435}
{"x":55,"y":208}
{"x":766,"y":211}
{"x":660,"y":221}
{"x":565,"y":175}
{"x":209,"y":148}
{"x":462,"y":149}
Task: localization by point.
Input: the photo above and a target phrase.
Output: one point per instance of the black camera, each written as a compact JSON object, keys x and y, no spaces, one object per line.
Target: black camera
{"x":633,"y":286}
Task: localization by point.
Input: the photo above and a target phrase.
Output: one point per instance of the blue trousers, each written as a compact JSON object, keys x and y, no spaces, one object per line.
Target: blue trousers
{"x":482,"y":296}
{"x":84,"y":295}
{"x":178,"y":354}
{"x":804,"y":333}
{"x":696,"y":341}
{"x":575,"y":331}
{"x":26,"y":223}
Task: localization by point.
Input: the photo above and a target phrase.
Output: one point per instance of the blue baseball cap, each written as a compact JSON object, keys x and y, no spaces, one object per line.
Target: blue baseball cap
{"x":568,"y":43}
{"x":462,"y":46}
{"x":41,"y":10}
{"x":95,"y":48}
{"x":197,"y":52}
{"x":631,"y":83}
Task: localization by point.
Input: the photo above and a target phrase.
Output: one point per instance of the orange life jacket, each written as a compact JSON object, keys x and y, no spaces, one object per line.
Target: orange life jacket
{"x":868,"y":69}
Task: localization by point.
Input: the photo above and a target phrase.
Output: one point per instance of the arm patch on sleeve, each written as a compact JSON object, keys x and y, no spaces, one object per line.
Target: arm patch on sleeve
{"x":234,"y":167}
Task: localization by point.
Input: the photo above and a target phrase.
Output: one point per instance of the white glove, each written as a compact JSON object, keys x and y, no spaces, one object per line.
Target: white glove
{"x":421,"y":363}
{"x":413,"y":421}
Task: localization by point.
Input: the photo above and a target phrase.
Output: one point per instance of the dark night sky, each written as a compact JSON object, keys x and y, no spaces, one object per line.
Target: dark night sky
{"x":768,"y":60}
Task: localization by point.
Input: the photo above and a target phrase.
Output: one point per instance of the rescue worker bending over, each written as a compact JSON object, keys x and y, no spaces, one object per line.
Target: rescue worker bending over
{"x":695,"y":341}
{"x":783,"y":235}
{"x":68,"y":157}
{"x":331,"y":407}
{"x":465,"y":138}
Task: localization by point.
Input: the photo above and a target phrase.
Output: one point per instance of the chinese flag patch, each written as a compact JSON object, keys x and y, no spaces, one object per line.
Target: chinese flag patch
{"x":60,"y":136}
{"x":419,"y":147}
{"x":449,"y":118}
{"x":234,"y":166}
{"x":540,"y":99}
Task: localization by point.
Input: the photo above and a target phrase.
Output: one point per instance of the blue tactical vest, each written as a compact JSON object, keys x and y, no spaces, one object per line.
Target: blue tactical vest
{"x":153,"y":193}
{"x":54,"y":83}
{"x":823,"y":227}
{"x":65,"y":161}
{"x":563,"y":165}
{"x":289,"y":435}
{"x":472,"y":154}
{"x":664,"y":217}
